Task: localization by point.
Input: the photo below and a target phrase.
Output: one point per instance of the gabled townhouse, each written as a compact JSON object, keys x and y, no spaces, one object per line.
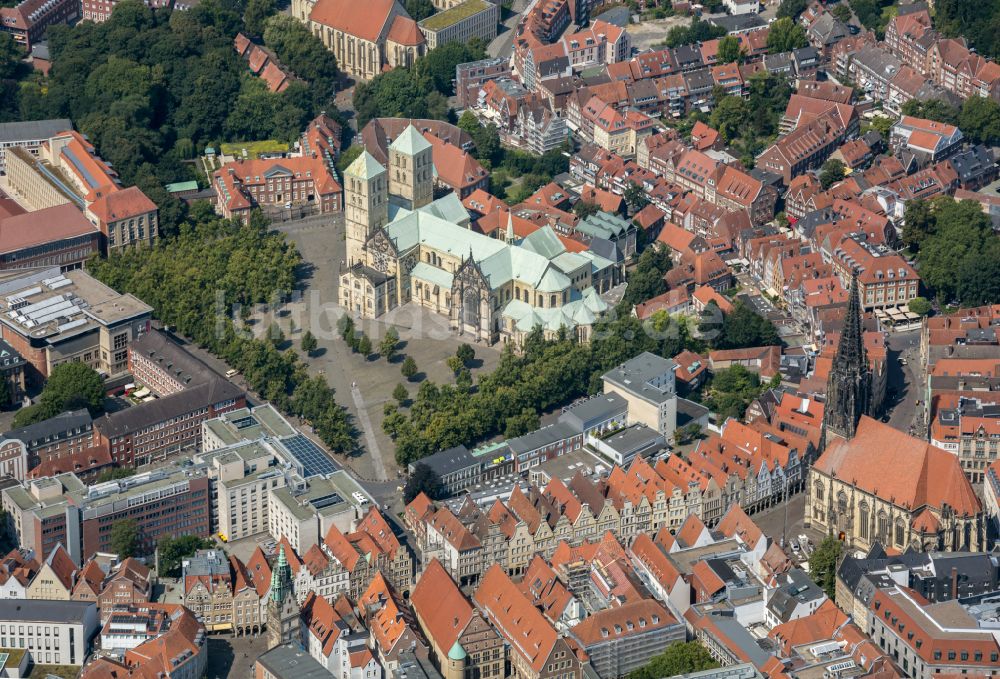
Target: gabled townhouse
{"x":391,"y":623}
{"x":55,"y":578}
{"x":371,"y":546}
{"x":537,"y":650}
{"x":600,"y":43}
{"x":929,"y":140}
{"x":325,"y":634}
{"x":17,"y":569}
{"x":910,"y":37}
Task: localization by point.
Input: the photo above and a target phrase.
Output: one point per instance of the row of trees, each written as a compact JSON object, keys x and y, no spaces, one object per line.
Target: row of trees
{"x":956,"y":249}
{"x":549,"y":373}
{"x":211,"y":273}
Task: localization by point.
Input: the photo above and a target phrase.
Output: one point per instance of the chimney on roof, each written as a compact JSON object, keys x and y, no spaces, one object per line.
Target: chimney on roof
{"x":954,"y":582}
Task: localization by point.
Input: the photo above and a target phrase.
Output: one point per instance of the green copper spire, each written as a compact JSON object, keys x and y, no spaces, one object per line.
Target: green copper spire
{"x":280,"y":577}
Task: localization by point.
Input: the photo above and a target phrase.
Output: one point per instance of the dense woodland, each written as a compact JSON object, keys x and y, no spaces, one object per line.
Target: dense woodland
{"x":978,"y":21}
{"x":152,"y":88}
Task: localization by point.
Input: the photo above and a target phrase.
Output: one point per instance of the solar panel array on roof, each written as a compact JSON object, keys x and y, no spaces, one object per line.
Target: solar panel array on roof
{"x":81,"y":168}
{"x":314,"y":461}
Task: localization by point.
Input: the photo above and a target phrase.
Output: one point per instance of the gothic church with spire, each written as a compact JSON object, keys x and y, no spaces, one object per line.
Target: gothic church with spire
{"x":849,"y":392}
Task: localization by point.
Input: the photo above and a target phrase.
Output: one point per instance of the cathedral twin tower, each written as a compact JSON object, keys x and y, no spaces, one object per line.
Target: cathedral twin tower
{"x":368,"y":185}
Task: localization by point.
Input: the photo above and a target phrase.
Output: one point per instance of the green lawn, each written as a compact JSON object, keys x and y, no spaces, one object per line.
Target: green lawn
{"x":64,"y":671}
{"x":254,"y":148}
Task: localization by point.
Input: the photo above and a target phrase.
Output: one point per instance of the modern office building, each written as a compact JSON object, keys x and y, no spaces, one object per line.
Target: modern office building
{"x":62,"y":317}
{"x":54,"y":632}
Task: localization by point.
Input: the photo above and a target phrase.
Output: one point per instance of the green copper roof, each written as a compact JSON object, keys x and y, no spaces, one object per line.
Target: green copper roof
{"x":432,"y":275}
{"x":280,"y":577}
{"x":410,"y":142}
{"x":457,"y":652}
{"x":545,"y":242}
{"x":449,"y":208}
{"x":364,"y":167}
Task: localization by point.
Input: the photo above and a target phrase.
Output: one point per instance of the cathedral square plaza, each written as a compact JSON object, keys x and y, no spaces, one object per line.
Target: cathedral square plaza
{"x":424,"y":335}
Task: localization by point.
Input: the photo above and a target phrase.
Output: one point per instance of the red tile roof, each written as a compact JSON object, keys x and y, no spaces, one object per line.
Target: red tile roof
{"x":530,"y":634}
{"x":365,"y":20}
{"x":123,"y":204}
{"x":43,"y":226}
{"x":442,"y":609}
{"x":923,"y":476}
{"x":619,"y":622}
{"x":404,"y":31}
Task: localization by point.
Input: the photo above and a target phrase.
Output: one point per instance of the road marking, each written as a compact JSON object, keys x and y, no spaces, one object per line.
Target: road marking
{"x":370,"y":442}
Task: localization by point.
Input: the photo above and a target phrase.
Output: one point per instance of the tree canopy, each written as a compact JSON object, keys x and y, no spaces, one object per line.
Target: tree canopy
{"x":823,"y":564}
{"x":198,"y":280}
{"x":750,"y":125}
{"x":729,"y":50}
{"x":731,"y":390}
{"x":547,"y":374}
{"x":697,"y":31}
{"x":646,"y":281}
{"x":173,"y":550}
{"x":423,"y":480}
{"x":124,"y":538}
{"x":873,"y":14}
{"x":419,"y":9}
{"x":832,"y":172}
{"x":977,"y":22}
{"x":956,"y":248}
{"x":151,"y":88}
{"x":679,"y":658}
{"x":69,"y":386}
{"x":420,"y":91}
{"x":785,"y":35}
{"x":792,"y":9}
{"x":743,"y":327}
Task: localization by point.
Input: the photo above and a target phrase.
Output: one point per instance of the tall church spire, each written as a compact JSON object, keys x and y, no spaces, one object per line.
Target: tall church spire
{"x":280,"y":577}
{"x":849,"y":385}
{"x":282,"y":607}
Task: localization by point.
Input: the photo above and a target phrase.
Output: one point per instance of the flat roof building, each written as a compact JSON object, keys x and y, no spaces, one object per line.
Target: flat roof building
{"x":61,"y":509}
{"x":288,"y":661}
{"x":71,"y":625}
{"x":461,"y":23}
{"x":266,"y":476}
{"x":50,"y":317}
{"x":647,"y":383}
